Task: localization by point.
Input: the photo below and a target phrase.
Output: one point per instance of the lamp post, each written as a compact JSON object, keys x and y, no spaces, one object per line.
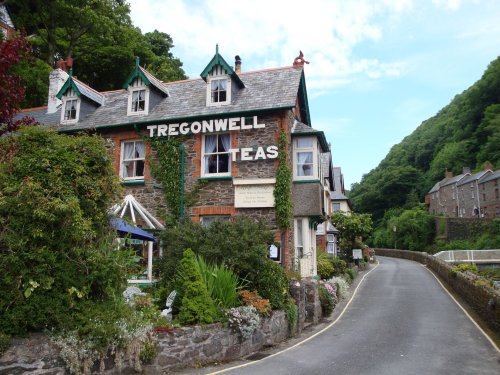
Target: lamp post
{"x":395,"y":229}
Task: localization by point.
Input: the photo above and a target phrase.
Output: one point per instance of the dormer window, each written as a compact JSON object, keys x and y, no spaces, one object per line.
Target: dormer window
{"x":138,"y":99}
{"x":305,"y":155}
{"x":219,"y":90}
{"x":70,"y":108}
{"x":221,"y":79}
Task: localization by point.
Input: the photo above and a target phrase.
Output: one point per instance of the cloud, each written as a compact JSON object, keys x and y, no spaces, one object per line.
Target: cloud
{"x":270,"y":33}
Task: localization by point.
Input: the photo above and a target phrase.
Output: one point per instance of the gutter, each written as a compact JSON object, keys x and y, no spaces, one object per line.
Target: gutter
{"x":164,"y":120}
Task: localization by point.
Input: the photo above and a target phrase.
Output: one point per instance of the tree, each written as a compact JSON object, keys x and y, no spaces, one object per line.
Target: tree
{"x":352,"y":227}
{"x":12,"y":52}
{"x":56,"y":249}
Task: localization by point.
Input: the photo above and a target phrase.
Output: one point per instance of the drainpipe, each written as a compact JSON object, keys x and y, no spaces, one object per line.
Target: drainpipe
{"x":478,"y":200}
{"x":182,"y":184}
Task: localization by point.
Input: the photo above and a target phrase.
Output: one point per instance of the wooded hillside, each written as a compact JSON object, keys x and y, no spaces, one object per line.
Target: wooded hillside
{"x":465,"y":133}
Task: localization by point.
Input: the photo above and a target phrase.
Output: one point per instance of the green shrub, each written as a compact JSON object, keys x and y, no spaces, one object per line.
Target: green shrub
{"x":350,"y":274}
{"x":4,"y":342}
{"x":222,"y":284}
{"x":491,"y":274}
{"x":292,"y":315}
{"x":463,"y":267}
{"x":197,"y":305}
{"x":326,"y":301}
{"x":56,"y":249}
{"x":241,"y":246}
{"x":339,"y":266}
{"x":324,"y":265}
{"x":271,"y":283}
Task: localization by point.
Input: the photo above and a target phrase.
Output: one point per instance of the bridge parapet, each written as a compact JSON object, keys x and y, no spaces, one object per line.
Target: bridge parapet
{"x":470,"y":256}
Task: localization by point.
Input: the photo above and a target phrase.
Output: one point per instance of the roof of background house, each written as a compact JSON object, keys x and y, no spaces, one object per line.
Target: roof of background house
{"x":4,"y":16}
{"x":454,"y":179}
{"x":265,"y":90}
{"x":473,"y":177}
{"x":490,"y":176}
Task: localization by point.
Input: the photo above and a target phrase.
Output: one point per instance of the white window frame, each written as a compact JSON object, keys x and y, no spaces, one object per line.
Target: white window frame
{"x":65,"y":100}
{"x":122,"y":161}
{"x":315,"y":162}
{"x":137,"y":85}
{"x":226,"y":78}
{"x":320,"y":229}
{"x":204,"y":172}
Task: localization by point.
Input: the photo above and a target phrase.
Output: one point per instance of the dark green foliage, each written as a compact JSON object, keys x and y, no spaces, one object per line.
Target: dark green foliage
{"x":271,"y":283}
{"x":197,"y":306}
{"x":98,"y":35}
{"x":326,"y":301}
{"x":350,"y":275}
{"x":240,"y":246}
{"x":415,"y":230}
{"x":292,"y":315}
{"x":4,"y":342}
{"x":465,"y":133}
{"x":465,"y":267}
{"x":339,"y":266}
{"x":56,"y":248}
{"x":352,"y":227}
{"x":324,"y":263}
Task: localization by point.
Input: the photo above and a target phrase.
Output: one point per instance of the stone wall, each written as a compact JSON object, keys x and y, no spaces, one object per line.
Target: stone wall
{"x":483,"y":299}
{"x":182,"y":347}
{"x":451,"y":229}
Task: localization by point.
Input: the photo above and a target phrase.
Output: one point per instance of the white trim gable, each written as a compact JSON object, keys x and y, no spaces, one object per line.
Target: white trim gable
{"x":222,"y":94}
{"x":71,"y":114}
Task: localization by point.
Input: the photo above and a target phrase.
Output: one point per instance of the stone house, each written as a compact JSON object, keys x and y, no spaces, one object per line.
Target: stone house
{"x":466,"y":195}
{"x":489,"y":196}
{"x":228,"y":123}
{"x":6,"y":25}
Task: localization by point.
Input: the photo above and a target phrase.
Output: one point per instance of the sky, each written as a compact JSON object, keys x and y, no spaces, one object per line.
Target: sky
{"x":377,"y":68}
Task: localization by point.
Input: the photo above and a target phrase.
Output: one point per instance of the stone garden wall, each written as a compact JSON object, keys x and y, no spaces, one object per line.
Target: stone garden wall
{"x":485,"y":300}
{"x":179,"y":347}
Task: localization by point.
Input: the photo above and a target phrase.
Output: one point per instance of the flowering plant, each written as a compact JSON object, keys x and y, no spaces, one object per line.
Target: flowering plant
{"x":244,"y":319}
{"x":332,"y":290}
{"x":262,"y":305}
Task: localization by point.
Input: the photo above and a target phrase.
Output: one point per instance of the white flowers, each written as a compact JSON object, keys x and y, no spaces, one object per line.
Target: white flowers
{"x":245,"y":319}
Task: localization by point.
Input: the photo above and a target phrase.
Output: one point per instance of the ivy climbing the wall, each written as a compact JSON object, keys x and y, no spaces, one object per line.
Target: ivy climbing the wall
{"x":282,"y":190}
{"x":166,"y":169}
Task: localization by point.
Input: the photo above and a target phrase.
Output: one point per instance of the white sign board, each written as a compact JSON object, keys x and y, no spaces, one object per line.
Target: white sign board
{"x":254,"y":193}
{"x":357,"y":254}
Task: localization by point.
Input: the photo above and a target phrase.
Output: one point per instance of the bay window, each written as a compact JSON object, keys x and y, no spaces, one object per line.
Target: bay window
{"x":305,"y":155}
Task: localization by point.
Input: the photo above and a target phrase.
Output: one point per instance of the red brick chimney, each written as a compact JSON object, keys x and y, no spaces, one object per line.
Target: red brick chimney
{"x":237,"y":64}
{"x":65,"y":64}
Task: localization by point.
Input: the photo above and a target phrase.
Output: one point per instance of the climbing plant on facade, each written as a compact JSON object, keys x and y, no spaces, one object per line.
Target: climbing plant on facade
{"x":167,"y":169}
{"x":282,"y":189}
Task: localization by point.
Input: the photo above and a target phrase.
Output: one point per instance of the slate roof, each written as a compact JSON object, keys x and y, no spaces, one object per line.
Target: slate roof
{"x":300,"y":128}
{"x":89,"y":92}
{"x":453,"y":180}
{"x":337,"y":193}
{"x":155,"y":81}
{"x":264,"y":90}
{"x":490,"y":176}
{"x":471,"y":178}
{"x":437,"y":186}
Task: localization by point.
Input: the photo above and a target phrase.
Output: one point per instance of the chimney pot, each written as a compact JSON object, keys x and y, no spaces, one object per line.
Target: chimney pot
{"x":237,"y":64}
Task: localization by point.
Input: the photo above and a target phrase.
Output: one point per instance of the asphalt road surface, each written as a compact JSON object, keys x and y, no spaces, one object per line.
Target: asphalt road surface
{"x":401,"y":322}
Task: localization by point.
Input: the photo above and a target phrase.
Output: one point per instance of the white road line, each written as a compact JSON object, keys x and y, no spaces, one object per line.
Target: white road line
{"x":465,"y":312}
{"x":305,"y":340}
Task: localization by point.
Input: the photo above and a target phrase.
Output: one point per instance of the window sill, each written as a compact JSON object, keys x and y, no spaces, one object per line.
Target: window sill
{"x":216,"y":178}
{"x":133,"y":182}
{"x":305,"y":181}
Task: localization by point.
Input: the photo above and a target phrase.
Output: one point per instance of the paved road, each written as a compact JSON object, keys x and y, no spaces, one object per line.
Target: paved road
{"x":400,"y":322}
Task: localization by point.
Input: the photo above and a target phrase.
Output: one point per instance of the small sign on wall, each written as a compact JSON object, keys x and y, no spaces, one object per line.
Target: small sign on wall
{"x":357,"y":254}
{"x":274,"y":252}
